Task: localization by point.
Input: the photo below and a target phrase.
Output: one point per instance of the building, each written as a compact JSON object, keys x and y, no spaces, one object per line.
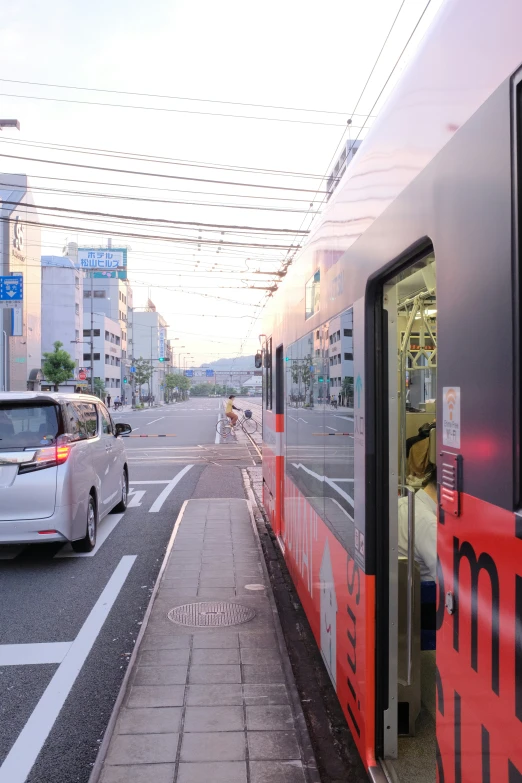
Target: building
{"x":62,"y":307}
{"x":20,"y":249}
{"x":340,"y":358}
{"x":107,"y":353}
{"x":343,"y":161}
{"x":149,"y":342}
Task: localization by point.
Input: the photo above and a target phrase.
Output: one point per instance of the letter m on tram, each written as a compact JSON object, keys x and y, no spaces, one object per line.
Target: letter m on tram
{"x":467,"y":602}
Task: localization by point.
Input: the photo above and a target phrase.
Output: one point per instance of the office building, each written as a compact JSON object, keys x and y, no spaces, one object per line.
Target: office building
{"x":107,"y":351}
{"x":20,"y":328}
{"x":62,"y":307}
{"x":149,"y":342}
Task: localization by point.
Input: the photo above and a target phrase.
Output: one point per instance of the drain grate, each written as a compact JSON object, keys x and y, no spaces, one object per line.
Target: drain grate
{"x":211,"y":614}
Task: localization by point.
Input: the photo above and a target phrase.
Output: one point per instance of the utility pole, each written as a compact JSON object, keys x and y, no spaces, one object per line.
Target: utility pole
{"x":151,"y":370}
{"x":4,"y":270}
{"x":92,"y":332}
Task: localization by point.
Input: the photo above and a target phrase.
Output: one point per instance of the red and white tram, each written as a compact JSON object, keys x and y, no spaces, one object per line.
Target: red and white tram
{"x":404,"y":309}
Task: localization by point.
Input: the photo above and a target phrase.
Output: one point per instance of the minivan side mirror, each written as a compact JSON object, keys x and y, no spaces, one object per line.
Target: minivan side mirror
{"x":258,"y":361}
{"x":122,"y":429}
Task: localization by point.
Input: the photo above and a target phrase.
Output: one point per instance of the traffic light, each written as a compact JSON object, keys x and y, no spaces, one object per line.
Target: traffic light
{"x":162,"y":359}
{"x":125,"y":380}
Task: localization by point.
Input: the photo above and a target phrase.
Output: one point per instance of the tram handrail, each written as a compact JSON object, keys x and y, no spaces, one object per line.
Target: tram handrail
{"x":410,"y":598}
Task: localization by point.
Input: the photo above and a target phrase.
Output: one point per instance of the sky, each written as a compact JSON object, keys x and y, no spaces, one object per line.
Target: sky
{"x":193,"y":61}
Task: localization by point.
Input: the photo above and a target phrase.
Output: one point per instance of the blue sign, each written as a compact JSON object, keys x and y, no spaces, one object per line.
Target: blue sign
{"x":189,"y":373}
{"x":209,"y":373}
{"x":132,"y":369}
{"x":11,"y":288}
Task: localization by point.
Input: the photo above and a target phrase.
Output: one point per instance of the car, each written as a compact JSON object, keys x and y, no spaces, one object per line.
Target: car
{"x":62,"y":468}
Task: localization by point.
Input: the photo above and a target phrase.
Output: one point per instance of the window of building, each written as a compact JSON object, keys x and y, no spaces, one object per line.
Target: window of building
{"x":87,"y":332}
{"x":117,"y":340}
{"x":312,"y":298}
{"x":347,"y":332}
{"x":100,"y":294}
{"x":107,"y":358}
{"x":107,"y":336}
{"x":348,"y":356}
{"x":77,"y":308}
{"x":86,"y":294}
{"x":77,"y":282}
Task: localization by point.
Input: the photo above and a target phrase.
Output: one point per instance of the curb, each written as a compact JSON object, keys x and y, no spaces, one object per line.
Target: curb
{"x":310,"y":770}
{"x":104,"y":746}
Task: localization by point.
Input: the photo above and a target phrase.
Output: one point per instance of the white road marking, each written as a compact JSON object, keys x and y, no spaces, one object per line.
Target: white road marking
{"x":136,"y":496}
{"x":332,"y":428}
{"x":154,"y":420}
{"x":104,"y":531}
{"x":162,"y":481}
{"x":20,"y":759}
{"x":342,"y":509}
{"x":24,"y":654}
{"x":156,"y":506}
{"x":326,"y":480}
{"x":337,"y":480}
{"x":300,"y":419}
{"x":292,"y":417}
{"x":347,"y":418}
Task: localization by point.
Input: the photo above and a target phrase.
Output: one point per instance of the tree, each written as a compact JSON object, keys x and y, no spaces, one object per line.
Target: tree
{"x":58,"y":366}
{"x":347,"y":390}
{"x":243,"y":391}
{"x":143,"y":372}
{"x":176,"y":380}
{"x":99,"y":388}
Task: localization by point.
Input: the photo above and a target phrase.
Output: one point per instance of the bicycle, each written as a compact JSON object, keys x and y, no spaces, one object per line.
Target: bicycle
{"x":246,"y":422}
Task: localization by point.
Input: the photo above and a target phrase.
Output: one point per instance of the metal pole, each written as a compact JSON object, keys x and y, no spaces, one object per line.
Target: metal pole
{"x":92,"y":333}
{"x":151,"y":370}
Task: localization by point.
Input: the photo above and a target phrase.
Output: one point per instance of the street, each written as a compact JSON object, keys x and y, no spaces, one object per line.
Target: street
{"x":68,"y":622}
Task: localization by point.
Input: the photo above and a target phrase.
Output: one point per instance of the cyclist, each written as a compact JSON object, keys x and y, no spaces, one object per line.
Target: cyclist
{"x":230,"y":408}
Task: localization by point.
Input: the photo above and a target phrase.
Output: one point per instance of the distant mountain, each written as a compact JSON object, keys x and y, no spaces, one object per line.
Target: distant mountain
{"x":240,"y":363}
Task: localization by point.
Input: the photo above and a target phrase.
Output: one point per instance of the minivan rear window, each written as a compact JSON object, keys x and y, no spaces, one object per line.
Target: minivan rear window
{"x":27,"y":426}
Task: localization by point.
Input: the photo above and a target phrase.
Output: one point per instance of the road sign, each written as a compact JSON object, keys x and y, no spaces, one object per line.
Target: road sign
{"x":11,"y":290}
{"x":82,"y":375}
{"x":189,"y":373}
{"x":209,"y":373}
{"x":132,"y":369}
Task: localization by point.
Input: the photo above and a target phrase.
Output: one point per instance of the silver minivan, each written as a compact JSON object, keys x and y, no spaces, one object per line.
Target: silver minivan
{"x":62,"y":468}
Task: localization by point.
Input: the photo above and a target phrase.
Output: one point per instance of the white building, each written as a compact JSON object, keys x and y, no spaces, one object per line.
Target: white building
{"x":107,"y":356}
{"x":149,"y":342}
{"x":113,"y":298}
{"x":20,"y":330}
{"x":340,"y":353}
{"x":62,"y":307}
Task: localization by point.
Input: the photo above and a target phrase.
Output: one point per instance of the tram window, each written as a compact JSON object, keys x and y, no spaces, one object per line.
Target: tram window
{"x":319,"y":404}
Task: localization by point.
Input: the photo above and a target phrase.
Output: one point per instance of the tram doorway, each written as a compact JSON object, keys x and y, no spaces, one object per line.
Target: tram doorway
{"x":408,"y":721}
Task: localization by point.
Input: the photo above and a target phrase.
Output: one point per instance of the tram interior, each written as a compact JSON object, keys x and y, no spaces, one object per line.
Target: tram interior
{"x":413,"y":523}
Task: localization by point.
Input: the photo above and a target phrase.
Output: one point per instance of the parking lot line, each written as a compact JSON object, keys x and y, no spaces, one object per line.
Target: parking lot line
{"x":156,"y":506}
{"x":104,"y":531}
{"x":28,"y":654}
{"x":20,"y":759}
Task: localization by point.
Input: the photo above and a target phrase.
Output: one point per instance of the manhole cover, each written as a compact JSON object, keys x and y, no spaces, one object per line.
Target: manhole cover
{"x":211,"y":614}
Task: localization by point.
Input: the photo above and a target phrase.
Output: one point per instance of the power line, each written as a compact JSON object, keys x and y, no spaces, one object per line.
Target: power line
{"x":154,"y":158}
{"x":155,"y":174}
{"x":122,"y":197}
{"x":86,"y":230}
{"x":172,"y":97}
{"x":176,"y":111}
{"x":139,"y":219}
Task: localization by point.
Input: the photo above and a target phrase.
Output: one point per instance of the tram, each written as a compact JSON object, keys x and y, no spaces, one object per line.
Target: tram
{"x":398,"y":324}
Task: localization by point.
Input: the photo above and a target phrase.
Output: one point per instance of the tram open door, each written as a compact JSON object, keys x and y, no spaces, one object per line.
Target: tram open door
{"x":408,"y":536}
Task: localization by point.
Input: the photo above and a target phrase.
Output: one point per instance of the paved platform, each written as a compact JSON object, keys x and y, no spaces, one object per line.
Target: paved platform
{"x":210,"y":703}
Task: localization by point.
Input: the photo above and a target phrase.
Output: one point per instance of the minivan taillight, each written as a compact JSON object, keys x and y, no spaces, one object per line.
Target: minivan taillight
{"x":49,"y":456}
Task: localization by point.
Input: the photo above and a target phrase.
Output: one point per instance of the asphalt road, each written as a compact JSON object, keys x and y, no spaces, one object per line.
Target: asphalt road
{"x":93,"y":605}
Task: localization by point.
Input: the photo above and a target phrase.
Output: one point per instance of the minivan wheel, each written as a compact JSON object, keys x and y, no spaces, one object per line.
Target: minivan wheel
{"x":88,"y":543}
{"x":122,"y":505}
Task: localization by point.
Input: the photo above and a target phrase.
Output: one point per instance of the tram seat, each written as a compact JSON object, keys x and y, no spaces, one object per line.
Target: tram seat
{"x":409,"y":696}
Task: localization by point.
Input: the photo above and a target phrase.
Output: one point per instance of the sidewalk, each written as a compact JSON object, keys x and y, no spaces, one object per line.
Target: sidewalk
{"x":210,"y":697}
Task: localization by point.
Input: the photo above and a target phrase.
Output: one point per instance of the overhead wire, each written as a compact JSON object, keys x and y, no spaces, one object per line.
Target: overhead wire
{"x":172,"y":110}
{"x":171,"y":97}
